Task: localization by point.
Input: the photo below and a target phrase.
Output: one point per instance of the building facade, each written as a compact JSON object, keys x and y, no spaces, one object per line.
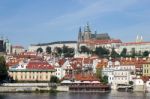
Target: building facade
{"x":146,"y":68}
{"x":53,"y":45}
{"x":34,"y":70}
{"x":17,"y":49}
{"x":139,"y":46}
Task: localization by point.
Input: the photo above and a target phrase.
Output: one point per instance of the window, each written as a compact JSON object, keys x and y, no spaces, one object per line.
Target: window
{"x":16,"y":77}
{"x":144,"y":71}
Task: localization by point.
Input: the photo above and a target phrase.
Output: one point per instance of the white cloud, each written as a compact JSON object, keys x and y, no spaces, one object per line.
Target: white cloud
{"x":98,"y":8}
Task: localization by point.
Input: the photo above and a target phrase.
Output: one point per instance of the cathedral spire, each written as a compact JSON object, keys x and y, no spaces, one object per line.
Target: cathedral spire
{"x":80,"y":31}
{"x":87,"y":28}
{"x":80,"y":34}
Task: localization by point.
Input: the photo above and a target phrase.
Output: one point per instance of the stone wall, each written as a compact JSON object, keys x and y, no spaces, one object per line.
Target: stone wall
{"x":29,"y":87}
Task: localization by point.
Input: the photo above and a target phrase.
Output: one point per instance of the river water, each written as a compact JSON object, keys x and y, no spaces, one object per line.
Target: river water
{"x":69,"y":95}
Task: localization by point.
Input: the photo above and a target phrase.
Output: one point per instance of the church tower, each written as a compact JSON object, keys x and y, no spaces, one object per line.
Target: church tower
{"x":80,"y":35}
{"x":139,"y":38}
{"x":87,"y":32}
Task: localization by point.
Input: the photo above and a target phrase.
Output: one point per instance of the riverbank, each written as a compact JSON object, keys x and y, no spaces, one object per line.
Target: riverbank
{"x":31,"y":87}
{"x":48,"y":87}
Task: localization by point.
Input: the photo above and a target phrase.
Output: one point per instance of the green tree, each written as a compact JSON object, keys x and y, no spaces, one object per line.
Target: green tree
{"x":104,"y":79}
{"x":3,"y":69}
{"x":114,"y":54}
{"x":58,"y":51}
{"x":123,"y":53}
{"x":39,"y":50}
{"x":102,"y":52}
{"x":99,"y":73}
{"x":84,"y":49}
{"x":70,"y":53}
{"x":131,"y":82}
{"x":145,"y":54}
{"x":133,"y":54}
{"x":67,"y":52}
{"x":54,"y":79}
{"x":48,"y":50}
{"x":65,"y":49}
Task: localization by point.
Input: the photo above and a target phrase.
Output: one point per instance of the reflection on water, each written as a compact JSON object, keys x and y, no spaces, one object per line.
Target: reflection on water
{"x":67,"y":95}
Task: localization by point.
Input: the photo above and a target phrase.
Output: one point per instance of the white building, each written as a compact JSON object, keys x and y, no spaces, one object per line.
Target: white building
{"x":94,"y":66}
{"x":53,"y":45}
{"x":60,"y":71}
{"x":121,"y":76}
{"x":8,"y":46}
{"x":17,"y":49}
{"x":139,"y":46}
{"x":119,"y":73}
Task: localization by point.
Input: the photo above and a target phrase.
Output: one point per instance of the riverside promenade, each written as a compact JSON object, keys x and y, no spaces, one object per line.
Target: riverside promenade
{"x":30,"y":87}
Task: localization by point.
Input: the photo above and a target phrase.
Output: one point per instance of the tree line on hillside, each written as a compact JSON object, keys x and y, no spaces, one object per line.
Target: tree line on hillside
{"x":102,"y":52}
{"x":59,"y":51}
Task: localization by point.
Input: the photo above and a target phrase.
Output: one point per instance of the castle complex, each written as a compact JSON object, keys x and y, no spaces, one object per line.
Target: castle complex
{"x":90,"y":39}
{"x":93,"y":40}
{"x":88,"y":35}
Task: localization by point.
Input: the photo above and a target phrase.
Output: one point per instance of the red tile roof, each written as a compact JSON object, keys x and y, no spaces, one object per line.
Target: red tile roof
{"x":61,"y":62}
{"x":145,"y":78}
{"x":17,"y":46}
{"x":12,"y":62}
{"x":135,"y":43}
{"x":132,"y":61}
{"x":85,"y":77}
{"x":102,"y":41}
{"x":27,"y":55}
{"x":102,"y":64}
{"x":39,"y":65}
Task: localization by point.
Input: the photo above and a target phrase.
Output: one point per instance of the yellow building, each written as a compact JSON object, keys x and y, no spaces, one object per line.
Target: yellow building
{"x":31,"y":75}
{"x":146,"y":69}
{"x":36,"y":70}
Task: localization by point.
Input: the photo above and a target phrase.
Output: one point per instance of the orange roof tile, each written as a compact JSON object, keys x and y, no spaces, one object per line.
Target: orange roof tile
{"x":85,"y":77}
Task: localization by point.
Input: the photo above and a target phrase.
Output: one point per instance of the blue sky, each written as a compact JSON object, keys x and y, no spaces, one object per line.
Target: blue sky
{"x":26,"y":22}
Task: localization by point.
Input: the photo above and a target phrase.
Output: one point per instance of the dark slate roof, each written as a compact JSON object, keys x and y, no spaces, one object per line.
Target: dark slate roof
{"x":102,"y":36}
{"x":51,"y":43}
